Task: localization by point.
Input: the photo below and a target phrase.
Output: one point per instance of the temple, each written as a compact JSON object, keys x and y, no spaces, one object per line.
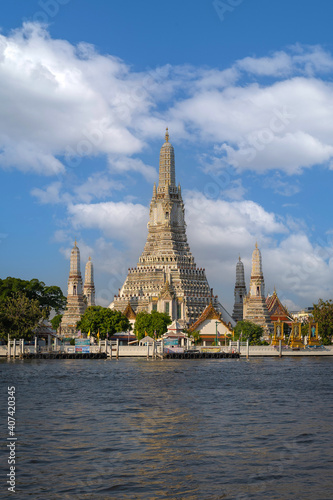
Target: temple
{"x":255,"y":307}
{"x":239,"y":292}
{"x":77,"y":301}
{"x":166,"y":278}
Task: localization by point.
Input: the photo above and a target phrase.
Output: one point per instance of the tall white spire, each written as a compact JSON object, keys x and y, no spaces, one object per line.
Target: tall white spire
{"x":257,"y":283}
{"x":256,"y":263}
{"x":89,"y":287}
{"x":75,"y":278}
{"x":75,"y":301}
{"x":255,"y":307}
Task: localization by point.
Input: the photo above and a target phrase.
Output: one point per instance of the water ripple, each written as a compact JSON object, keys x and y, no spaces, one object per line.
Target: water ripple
{"x":180,"y":429}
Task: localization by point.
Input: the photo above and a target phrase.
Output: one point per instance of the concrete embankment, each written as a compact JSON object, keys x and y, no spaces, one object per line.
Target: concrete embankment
{"x":114,"y":351}
{"x":260,"y":351}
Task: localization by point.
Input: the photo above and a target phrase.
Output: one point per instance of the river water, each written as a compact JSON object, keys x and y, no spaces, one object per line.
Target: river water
{"x":171,"y":429}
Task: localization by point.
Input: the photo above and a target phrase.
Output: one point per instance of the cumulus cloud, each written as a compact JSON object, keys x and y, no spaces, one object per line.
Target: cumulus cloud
{"x":125,"y":164}
{"x":62,"y":102}
{"x":120,"y":221}
{"x":264,"y":128}
{"x":51,"y":194}
{"x":97,"y":186}
{"x":302,"y":60}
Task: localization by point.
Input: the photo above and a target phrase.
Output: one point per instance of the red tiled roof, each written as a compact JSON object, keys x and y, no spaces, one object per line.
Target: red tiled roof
{"x":276,"y":310}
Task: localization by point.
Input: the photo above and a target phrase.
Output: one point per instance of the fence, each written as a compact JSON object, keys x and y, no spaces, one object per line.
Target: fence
{"x":16,"y":348}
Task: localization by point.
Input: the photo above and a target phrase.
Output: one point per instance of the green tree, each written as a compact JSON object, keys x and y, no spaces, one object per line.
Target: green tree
{"x":19,"y":316}
{"x":305,"y":328}
{"x":151,"y":323}
{"x":55,"y":321}
{"x":104,"y":320}
{"x":48,"y":297}
{"x":323,"y":315}
{"x":197,"y":337}
{"x":248,"y":330}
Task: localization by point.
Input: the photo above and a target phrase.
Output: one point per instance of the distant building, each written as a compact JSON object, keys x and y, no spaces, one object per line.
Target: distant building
{"x":304,"y":315}
{"x":239,"y":292}
{"x":255,"y":307}
{"x":76,"y":300}
{"x":166,"y":278}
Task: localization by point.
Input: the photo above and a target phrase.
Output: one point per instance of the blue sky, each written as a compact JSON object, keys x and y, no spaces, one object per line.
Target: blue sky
{"x":245,"y":87}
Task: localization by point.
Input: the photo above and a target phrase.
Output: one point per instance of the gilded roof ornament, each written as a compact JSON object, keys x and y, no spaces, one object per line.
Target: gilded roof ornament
{"x":166,"y":135}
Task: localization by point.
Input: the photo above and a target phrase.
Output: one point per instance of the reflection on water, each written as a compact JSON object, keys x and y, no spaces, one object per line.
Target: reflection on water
{"x":173,"y":429}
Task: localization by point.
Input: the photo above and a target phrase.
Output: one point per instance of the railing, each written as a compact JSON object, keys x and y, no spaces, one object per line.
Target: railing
{"x":112,"y":349}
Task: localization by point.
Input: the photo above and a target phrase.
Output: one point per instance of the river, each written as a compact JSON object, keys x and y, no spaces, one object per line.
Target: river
{"x":171,"y":429}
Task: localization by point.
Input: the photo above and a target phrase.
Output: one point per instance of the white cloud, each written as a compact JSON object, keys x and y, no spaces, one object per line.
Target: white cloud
{"x":301,"y":268}
{"x":61,"y":236}
{"x":61,"y":102}
{"x":51,"y":194}
{"x":302,"y":60}
{"x":235,"y":191}
{"x":218,"y":219}
{"x":58,"y":100}
{"x":125,"y":164}
{"x":283,"y":187}
{"x":97,"y":186}
{"x":278,"y":64}
{"x":120,"y":221}
{"x":265,"y":128}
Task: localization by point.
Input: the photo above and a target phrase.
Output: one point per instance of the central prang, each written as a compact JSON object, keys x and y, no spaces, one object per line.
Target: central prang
{"x":166,"y":278}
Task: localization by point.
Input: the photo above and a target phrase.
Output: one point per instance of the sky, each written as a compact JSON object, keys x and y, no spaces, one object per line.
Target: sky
{"x":245,"y":88}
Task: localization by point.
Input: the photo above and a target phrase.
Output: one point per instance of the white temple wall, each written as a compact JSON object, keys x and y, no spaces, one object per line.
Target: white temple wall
{"x":208,"y":327}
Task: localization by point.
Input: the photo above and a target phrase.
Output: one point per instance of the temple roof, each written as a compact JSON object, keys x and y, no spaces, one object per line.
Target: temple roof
{"x":276,"y":308}
{"x":209,"y":313}
{"x":167,"y":292}
{"x":129,"y":313}
{"x":175,"y":327}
